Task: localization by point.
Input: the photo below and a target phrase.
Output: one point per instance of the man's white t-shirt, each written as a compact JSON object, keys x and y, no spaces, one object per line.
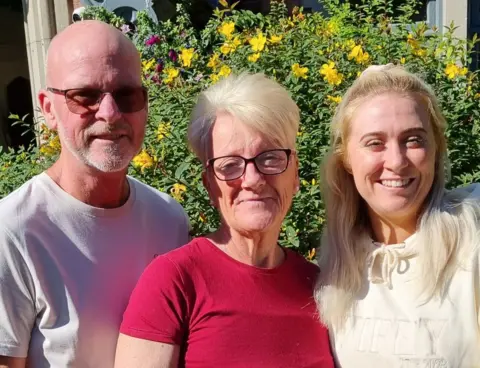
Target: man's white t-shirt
{"x":390,"y":327}
{"x":67,"y":269}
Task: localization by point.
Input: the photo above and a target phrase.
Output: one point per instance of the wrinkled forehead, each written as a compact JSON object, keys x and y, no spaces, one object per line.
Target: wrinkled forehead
{"x":105,"y":65}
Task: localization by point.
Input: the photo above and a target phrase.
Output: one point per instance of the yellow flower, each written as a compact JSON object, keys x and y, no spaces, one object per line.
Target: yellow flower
{"x":359,"y":55}
{"x":230,"y":46}
{"x":402,"y":60}
{"x":254,"y":57}
{"x":186,"y":56}
{"x":412,"y":41}
{"x":224,"y":3}
{"x":420,"y":52}
{"x":350,"y":44}
{"x":258,"y":42}
{"x":331,"y":74}
{"x":213,"y":61}
{"x":328,"y":29}
{"x":299,"y":72}
{"x":452,"y":71}
{"x":275,"y":39}
{"x":236,"y":42}
{"x":311,"y":254}
{"x":226,"y":29}
{"x":171,"y":73}
{"x":226,"y":48}
{"x":224,"y":71}
{"x":163,"y":130}
{"x":52,"y":147}
{"x":143,"y":160}
{"x":304,"y":182}
{"x":177,"y":191}
{"x":336,"y":99}
{"x":147,"y":65}
{"x":332,"y":27}
{"x":214,"y":78}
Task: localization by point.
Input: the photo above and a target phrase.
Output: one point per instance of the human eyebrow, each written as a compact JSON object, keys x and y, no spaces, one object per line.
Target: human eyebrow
{"x":372,"y":135}
{"x":415,"y":130}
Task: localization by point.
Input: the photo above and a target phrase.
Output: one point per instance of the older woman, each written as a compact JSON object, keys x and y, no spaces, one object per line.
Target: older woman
{"x":233,"y":298}
{"x":401,"y":286}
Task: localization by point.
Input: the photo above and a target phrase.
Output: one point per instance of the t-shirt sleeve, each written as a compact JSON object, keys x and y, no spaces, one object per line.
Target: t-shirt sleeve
{"x":17,"y":306}
{"x":185,"y":230}
{"x":157,"y":309}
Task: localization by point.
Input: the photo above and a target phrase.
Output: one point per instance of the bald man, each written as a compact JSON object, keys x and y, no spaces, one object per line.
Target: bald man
{"x":75,"y":239}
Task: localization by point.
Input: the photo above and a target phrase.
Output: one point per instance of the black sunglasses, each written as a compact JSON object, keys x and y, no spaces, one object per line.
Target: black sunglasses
{"x":87,"y":100}
{"x":271,"y":162}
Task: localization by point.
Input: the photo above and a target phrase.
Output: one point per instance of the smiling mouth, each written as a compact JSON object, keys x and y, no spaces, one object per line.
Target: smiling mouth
{"x":403,"y":183}
{"x":255,"y":200}
{"x":109,"y":137}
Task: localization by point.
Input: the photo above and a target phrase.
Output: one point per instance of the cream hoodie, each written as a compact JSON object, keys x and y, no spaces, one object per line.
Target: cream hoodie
{"x":389,"y":327}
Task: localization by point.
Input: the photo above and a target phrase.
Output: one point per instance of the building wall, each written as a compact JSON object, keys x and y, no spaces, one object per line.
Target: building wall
{"x":456,"y":11}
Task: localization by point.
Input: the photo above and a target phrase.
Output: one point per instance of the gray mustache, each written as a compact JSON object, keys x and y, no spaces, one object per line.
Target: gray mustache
{"x":121,"y":128}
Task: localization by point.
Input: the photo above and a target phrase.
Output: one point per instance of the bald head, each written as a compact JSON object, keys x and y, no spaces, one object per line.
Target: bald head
{"x":91,"y":43}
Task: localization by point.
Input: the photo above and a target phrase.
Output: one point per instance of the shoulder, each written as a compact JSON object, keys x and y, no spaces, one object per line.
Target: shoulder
{"x":156,"y":200}
{"x":185,"y":258}
{"x":469,"y":193}
{"x":23,"y":205}
{"x":302,"y":265}
{"x":20,"y":195}
{"x":178,"y":269}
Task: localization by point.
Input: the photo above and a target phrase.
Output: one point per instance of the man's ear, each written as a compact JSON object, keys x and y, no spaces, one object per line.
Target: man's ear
{"x":48,"y":111}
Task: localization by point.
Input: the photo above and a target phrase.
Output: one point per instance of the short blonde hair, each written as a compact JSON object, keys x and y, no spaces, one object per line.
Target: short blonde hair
{"x":253,"y":99}
{"x":447,"y":222}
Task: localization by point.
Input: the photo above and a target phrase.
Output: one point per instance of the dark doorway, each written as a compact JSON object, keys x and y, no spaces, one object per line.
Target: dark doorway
{"x":19,"y":101}
{"x":474,"y":28}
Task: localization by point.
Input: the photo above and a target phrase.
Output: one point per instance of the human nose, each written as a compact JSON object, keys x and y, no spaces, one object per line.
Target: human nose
{"x":396,"y":158}
{"x":108,"y":109}
{"x":252,"y":177}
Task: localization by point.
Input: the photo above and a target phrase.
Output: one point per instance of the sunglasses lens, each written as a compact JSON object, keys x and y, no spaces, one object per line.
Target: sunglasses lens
{"x":130,"y":99}
{"x":83,"y":100}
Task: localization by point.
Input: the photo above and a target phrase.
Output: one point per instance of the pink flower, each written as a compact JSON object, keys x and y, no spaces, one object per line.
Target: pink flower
{"x":152,"y":40}
{"x":125,"y":28}
{"x":173,"y":55}
{"x":159,"y":67}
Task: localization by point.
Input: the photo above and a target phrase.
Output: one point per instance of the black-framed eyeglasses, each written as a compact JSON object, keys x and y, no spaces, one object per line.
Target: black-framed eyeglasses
{"x":271,"y":162}
{"x":87,"y":100}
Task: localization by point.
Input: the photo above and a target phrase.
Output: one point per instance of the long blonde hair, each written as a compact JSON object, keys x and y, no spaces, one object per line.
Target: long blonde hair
{"x":447,"y":221}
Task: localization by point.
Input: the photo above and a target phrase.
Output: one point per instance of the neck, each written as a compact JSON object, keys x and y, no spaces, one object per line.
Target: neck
{"x":259,"y":249}
{"x":391,"y":232}
{"x":89,"y":185}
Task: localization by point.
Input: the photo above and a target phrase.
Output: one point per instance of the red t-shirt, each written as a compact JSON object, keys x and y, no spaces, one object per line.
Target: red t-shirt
{"x":223,"y":313}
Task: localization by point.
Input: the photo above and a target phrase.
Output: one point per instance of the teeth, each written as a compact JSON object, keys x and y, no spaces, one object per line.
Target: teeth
{"x":395,"y":183}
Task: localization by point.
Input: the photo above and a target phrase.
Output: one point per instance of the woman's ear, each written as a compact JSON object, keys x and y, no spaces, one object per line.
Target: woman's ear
{"x":297,"y":176}
{"x":206,"y":184}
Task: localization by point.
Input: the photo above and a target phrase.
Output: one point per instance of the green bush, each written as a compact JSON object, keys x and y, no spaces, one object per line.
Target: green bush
{"x":316,"y":57}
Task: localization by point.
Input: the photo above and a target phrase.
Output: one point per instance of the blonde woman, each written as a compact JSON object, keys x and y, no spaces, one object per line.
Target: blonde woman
{"x":400,"y":282}
{"x":234,"y":298}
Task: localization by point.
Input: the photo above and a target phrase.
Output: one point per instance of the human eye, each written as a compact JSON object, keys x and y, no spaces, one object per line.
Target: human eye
{"x":84,"y":96}
{"x":228,"y":164}
{"x":375,"y":144}
{"x":273,"y":158}
{"x":415,"y":142}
